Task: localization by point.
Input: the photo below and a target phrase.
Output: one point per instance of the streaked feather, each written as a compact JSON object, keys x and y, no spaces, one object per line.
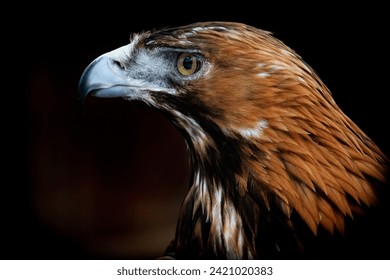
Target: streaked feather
{"x":272,"y":156}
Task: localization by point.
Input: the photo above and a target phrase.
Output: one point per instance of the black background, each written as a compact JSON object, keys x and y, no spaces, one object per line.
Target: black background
{"x":107,"y":181}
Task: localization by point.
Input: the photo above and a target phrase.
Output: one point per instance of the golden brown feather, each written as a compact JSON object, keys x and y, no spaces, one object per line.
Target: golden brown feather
{"x":267,"y":141}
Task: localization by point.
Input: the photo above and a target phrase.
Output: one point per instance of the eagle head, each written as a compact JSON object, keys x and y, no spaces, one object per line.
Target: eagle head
{"x":269,"y":149}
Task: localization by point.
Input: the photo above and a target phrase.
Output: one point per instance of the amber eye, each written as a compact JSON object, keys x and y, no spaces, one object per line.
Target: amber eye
{"x":188,"y":64}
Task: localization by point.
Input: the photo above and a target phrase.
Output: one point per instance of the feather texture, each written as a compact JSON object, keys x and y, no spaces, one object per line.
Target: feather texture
{"x":269,"y":149}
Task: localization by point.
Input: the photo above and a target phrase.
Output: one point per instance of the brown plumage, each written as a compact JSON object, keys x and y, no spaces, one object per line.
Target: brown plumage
{"x":270,"y":151}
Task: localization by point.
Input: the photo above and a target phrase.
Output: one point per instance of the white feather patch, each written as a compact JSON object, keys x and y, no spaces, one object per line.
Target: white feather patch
{"x":263,"y":75}
{"x":254,"y":132}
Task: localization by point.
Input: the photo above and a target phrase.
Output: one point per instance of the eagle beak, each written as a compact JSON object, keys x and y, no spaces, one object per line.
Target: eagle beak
{"x":105,"y":77}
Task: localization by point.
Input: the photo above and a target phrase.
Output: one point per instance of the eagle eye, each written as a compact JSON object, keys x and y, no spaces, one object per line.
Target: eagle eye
{"x":188,"y":64}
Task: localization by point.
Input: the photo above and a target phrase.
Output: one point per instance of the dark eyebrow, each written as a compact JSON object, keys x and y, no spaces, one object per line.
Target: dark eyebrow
{"x":178,"y":49}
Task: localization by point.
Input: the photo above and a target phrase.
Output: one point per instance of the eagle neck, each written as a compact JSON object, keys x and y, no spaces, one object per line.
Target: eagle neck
{"x":211,"y":216}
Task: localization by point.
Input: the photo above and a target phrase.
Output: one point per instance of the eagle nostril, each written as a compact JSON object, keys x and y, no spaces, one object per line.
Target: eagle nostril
{"x":119,"y":64}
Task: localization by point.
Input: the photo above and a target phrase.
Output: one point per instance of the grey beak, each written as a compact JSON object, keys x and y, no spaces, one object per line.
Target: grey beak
{"x":102,"y":78}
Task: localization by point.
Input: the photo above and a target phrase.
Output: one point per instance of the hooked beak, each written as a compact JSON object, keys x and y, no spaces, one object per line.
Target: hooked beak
{"x":106,"y":77}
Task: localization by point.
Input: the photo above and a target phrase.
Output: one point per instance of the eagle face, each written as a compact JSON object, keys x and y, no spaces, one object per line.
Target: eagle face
{"x":195,"y":70}
{"x":269,"y":148}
